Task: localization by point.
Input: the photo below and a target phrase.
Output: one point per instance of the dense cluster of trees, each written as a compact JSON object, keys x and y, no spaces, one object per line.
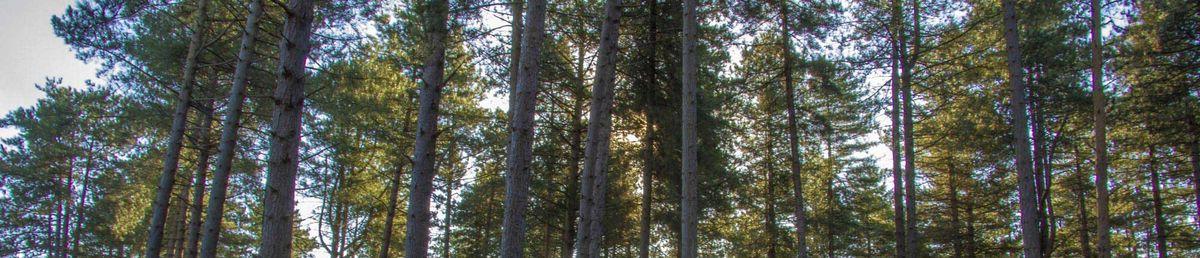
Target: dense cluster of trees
{"x":533,"y":128}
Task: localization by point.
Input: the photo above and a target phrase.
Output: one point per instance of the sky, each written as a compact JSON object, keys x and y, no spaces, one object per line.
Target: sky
{"x":29,"y":52}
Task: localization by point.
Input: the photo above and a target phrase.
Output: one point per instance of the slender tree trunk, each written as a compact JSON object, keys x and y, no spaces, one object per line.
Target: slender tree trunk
{"x":517,"y":7}
{"x":1099,"y":133}
{"x":82,"y":203}
{"x":647,"y":190}
{"x":955,"y":221}
{"x":649,"y":81}
{"x":1160,"y":229}
{"x":575,"y":193}
{"x":284,"y":154}
{"x":166,"y":181}
{"x":389,"y":222}
{"x":448,"y":214}
{"x":688,"y":220}
{"x":1085,"y":241}
{"x":599,"y":132}
{"x":581,"y":238}
{"x":520,"y":145}
{"x":1194,"y":156}
{"x":204,"y":144}
{"x":770,"y":214}
{"x":229,"y":134}
{"x":911,"y":236}
{"x":897,"y":171}
{"x":1030,"y":234}
{"x":793,"y":138}
{"x":416,"y":238}
{"x":1039,"y":158}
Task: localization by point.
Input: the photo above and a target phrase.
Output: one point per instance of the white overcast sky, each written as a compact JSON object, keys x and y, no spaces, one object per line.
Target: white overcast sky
{"x":29,"y":52}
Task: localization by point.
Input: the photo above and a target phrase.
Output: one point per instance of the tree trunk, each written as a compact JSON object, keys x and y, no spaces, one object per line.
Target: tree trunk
{"x":1099,"y":133}
{"x":648,"y":81}
{"x":1085,"y":241}
{"x":689,"y":198}
{"x":1194,"y":156}
{"x":192,"y":239}
{"x":911,"y":238}
{"x":897,"y":171}
{"x":770,"y":200}
{"x":599,"y":132}
{"x":520,"y":145}
{"x":416,"y":237}
{"x":284,"y":154}
{"x":229,"y":134}
{"x":575,"y":193}
{"x":166,"y":181}
{"x":1030,"y":234}
{"x":801,"y":223}
{"x":1039,"y":162}
{"x":1160,"y":229}
{"x":390,"y":221}
{"x":517,"y":8}
{"x":955,"y":227}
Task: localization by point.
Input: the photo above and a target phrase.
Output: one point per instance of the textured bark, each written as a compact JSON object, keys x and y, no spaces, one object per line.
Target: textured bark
{"x":1085,"y":241}
{"x":520,"y":145}
{"x":1099,"y":133}
{"x":166,"y":181}
{"x":416,"y":238}
{"x":1160,"y":229}
{"x":769,"y":217}
{"x":389,"y":222}
{"x":1027,"y":195}
{"x":955,"y":222}
{"x":574,"y":193}
{"x":1194,"y":156}
{"x":897,"y":170}
{"x":688,"y":197}
{"x":229,"y":134}
{"x":911,"y":236}
{"x":648,"y":80}
{"x":599,"y":133}
{"x":910,"y":172}
{"x":199,"y":179}
{"x":283,"y":160}
{"x":801,"y":216}
{"x":517,"y":7}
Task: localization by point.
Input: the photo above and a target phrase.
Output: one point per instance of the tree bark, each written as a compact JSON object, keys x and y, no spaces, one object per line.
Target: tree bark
{"x":911,"y":238}
{"x":1160,"y":229}
{"x":1027,"y":195}
{"x":1099,"y":133}
{"x":599,"y":133}
{"x":517,"y":7}
{"x":520,"y":145}
{"x":1085,"y":241}
{"x":192,"y":239}
{"x":770,"y":200}
{"x":1194,"y":156}
{"x":689,"y":198}
{"x":229,"y":134}
{"x":389,"y":222}
{"x":649,"y":81}
{"x":166,"y":181}
{"x":284,"y":154}
{"x":801,"y":222}
{"x":416,"y":238}
{"x":955,"y":221}
{"x":897,"y":170}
